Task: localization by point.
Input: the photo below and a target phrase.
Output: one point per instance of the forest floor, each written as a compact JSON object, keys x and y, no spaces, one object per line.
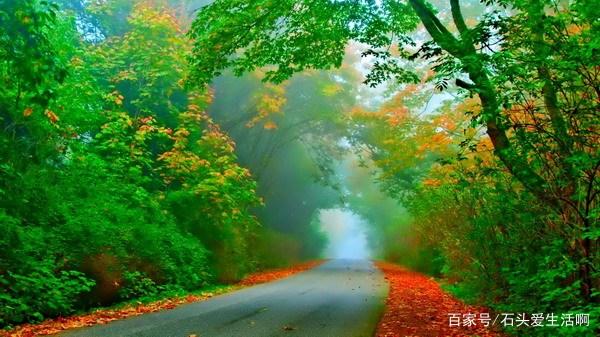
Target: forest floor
{"x":121,"y":311}
{"x":417,"y":306}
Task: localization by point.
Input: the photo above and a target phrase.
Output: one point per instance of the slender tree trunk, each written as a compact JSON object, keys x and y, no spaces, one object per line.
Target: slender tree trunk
{"x":465,"y":51}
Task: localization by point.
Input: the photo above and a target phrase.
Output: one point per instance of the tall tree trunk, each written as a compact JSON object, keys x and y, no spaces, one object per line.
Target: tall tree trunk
{"x":464,"y":50}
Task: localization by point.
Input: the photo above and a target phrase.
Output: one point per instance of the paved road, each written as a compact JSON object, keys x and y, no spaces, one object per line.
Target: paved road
{"x":340,"y":298}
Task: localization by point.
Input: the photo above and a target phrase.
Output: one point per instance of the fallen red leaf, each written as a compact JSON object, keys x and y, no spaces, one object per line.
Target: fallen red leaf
{"x":104,"y":316}
{"x":417,"y":307}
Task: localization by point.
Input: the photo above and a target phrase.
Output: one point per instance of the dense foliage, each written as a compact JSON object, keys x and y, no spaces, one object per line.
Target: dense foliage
{"x":287,"y":134}
{"x":133,"y":163}
{"x":114,"y":182}
{"x":501,"y":181}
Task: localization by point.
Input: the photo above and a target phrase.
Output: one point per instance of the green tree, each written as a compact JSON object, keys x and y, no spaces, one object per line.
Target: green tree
{"x":536,"y":56}
{"x":91,"y":168}
{"x":170,"y":145}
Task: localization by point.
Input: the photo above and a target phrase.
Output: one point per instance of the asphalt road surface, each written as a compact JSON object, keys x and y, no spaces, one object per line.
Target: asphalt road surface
{"x":340,"y":298}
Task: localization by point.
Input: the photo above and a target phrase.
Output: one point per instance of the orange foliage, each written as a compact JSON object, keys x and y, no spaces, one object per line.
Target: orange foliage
{"x":431,"y":182}
{"x":52,"y":117}
{"x":101,"y":316}
{"x":417,"y":306}
{"x":270,"y":125}
{"x":269,"y":103}
{"x":275,"y":274}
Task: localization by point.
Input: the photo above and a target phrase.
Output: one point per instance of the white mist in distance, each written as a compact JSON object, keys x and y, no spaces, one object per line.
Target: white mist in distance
{"x":346,"y":234}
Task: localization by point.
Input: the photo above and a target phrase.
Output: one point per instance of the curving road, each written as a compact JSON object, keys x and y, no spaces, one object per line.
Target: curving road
{"x":340,"y":298}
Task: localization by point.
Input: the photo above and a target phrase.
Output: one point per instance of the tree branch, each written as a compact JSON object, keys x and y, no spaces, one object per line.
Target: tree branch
{"x":440,"y":34}
{"x":459,"y":21}
{"x":491,"y":109}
